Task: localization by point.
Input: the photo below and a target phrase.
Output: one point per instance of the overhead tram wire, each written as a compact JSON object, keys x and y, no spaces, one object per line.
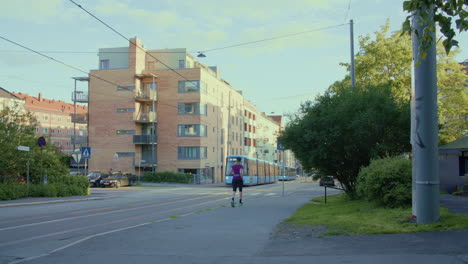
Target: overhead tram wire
{"x":78,"y":69}
{"x":273,"y":38}
{"x":120,"y":34}
{"x":61,"y":62}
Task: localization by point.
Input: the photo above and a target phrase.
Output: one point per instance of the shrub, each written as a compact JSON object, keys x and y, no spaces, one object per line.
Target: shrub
{"x":62,"y":186}
{"x":168,"y":176}
{"x":386,"y":181}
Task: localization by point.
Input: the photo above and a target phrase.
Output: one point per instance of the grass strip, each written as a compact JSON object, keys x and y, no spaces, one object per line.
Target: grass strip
{"x":343,"y":216}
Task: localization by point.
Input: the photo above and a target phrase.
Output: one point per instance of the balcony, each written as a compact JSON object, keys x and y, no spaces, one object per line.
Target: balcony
{"x":144,"y":139}
{"x":80,"y":97}
{"x":144,"y":117}
{"x":79,"y":140}
{"x":145,"y":95}
{"x":79,"y":118}
{"x":146,"y":163}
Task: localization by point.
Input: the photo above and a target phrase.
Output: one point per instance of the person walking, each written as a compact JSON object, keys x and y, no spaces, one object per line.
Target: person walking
{"x":237,"y":171}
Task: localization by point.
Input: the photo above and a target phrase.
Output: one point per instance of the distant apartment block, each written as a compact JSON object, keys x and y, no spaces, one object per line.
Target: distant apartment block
{"x":9,"y":100}
{"x":57,"y":120}
{"x":186,"y":118}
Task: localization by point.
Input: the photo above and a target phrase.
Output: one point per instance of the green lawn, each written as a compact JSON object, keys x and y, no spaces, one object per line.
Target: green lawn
{"x":356,"y":217}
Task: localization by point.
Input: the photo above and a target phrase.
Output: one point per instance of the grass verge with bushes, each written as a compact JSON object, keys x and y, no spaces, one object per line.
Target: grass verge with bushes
{"x":57,"y":187}
{"x":343,"y":216}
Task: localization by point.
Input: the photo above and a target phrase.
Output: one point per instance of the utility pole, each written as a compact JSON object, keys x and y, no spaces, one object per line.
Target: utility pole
{"x":425,"y":138}
{"x":153,"y":126}
{"x":352,"y":73}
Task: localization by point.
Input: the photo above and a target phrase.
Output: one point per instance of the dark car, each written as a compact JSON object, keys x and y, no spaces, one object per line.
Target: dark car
{"x":327,"y":181}
{"x":116,"y":180}
{"x":95,"y":178}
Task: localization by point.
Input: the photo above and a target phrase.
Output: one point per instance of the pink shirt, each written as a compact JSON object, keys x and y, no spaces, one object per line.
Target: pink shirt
{"x":236,"y":169}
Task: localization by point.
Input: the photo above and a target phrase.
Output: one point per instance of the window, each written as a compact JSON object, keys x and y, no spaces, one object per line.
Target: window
{"x":125,"y":154}
{"x":45,"y":117}
{"x":192,"y":109}
{"x":189,"y":86}
{"x":125,"y":88}
{"x":52,"y":131}
{"x":45,"y":130}
{"x":104,"y":65}
{"x":150,"y":85}
{"x":192,"y":131}
{"x":181,"y":64}
{"x":125,"y":110}
{"x":125,"y":132}
{"x":191,"y":152}
{"x":37,"y":130}
{"x":59,"y":131}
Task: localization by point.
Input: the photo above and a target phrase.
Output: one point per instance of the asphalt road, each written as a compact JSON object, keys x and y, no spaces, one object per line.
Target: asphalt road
{"x":195,"y":224}
{"x":144,"y":220}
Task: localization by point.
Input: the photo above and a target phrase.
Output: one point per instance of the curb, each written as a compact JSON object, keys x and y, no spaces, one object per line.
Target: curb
{"x":52,"y":202}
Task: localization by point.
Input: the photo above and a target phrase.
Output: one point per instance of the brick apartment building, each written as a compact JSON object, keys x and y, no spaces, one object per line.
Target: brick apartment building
{"x":143,"y":115}
{"x":55,"y":119}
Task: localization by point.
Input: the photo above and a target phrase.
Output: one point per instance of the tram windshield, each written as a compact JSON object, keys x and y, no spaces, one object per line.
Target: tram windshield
{"x":230,"y":162}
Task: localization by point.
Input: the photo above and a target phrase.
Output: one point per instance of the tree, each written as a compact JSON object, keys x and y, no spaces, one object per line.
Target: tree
{"x":386,"y":59}
{"x":444,"y":11}
{"x":341,"y":131}
{"x":17,"y":128}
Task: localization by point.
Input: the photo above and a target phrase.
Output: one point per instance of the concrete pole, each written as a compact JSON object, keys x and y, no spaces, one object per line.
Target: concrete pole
{"x":425,"y":148}
{"x":352,"y":73}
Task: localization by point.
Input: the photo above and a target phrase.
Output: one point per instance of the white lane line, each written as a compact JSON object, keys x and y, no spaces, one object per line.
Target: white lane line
{"x":270,"y":194}
{"x":84,"y":216}
{"x":103,"y":224}
{"x":110,"y":232}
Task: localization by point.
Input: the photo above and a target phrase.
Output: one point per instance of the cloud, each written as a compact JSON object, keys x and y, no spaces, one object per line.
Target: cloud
{"x":38,"y":11}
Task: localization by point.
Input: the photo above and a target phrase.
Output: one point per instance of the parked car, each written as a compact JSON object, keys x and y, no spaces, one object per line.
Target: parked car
{"x":116,"y":180}
{"x":327,"y":181}
{"x":95,"y":178}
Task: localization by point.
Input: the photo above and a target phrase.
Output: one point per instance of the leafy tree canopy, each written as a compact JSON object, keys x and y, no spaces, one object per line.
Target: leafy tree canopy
{"x":341,"y":131}
{"x":386,"y":59}
{"x":17,"y":128}
{"x":444,"y":12}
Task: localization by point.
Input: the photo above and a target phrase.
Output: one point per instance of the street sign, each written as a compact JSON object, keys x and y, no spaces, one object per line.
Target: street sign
{"x":279,"y":146}
{"x":23,"y":148}
{"x":41,"y":142}
{"x":85,"y":152}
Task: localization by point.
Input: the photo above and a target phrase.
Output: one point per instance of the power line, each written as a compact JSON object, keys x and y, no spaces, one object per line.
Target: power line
{"x":120,"y":34}
{"x":268,"y":39}
{"x":84,"y":52}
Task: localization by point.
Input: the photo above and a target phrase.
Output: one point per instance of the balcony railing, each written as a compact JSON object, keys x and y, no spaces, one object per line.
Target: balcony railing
{"x":147,"y":164}
{"x":79,"y":140}
{"x":145,"y":95}
{"x":80,"y":97}
{"x":79,"y":118}
{"x":144,"y":139}
{"x":144,"y":117}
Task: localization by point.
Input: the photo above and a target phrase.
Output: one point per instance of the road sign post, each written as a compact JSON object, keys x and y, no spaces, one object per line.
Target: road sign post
{"x":24,"y":148}
{"x":86,"y":155}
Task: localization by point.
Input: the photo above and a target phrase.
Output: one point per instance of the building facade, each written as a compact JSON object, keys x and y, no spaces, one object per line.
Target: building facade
{"x":55,"y":120}
{"x":162,"y":110}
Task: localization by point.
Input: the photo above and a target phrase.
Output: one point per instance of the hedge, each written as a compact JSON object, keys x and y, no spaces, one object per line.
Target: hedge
{"x":68,"y":185}
{"x":168,"y":176}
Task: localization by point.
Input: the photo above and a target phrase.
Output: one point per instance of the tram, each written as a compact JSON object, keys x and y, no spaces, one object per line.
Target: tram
{"x":289,"y":174}
{"x":256,"y":171}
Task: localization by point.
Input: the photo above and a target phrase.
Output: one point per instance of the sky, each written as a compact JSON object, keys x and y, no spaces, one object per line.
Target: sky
{"x":276,"y":75}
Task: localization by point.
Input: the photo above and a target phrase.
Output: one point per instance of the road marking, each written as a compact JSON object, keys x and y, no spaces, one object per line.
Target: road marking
{"x":22,"y":220}
{"x":98,"y":209}
{"x":270,"y":194}
{"x":78,"y":217}
{"x":110,"y":232}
